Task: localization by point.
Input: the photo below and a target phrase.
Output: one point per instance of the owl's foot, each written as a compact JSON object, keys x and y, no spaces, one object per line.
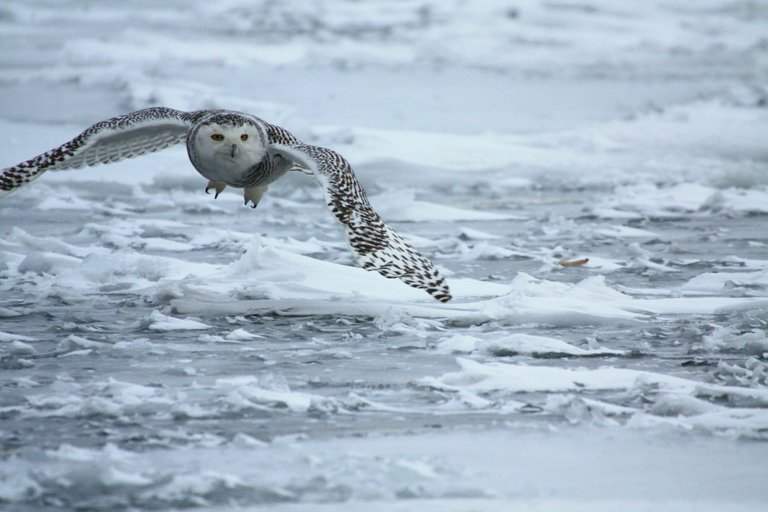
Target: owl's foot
{"x":215,"y":185}
{"x":253,"y":195}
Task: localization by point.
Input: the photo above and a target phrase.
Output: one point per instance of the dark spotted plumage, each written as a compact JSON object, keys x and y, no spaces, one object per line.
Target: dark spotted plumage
{"x":121,"y":137}
{"x":374,"y":244}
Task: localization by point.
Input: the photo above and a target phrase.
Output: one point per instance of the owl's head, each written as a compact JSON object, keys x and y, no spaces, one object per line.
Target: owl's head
{"x":232,"y":136}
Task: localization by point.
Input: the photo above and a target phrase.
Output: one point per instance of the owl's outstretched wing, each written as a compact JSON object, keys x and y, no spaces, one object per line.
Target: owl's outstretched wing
{"x":137,"y":133}
{"x":375,"y":245}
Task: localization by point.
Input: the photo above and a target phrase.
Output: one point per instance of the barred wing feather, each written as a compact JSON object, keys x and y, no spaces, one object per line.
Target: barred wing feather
{"x":118,"y":138}
{"x":375,"y":245}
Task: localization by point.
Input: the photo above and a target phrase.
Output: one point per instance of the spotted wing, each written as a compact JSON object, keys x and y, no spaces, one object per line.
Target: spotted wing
{"x":376,"y":246}
{"x":137,"y":133}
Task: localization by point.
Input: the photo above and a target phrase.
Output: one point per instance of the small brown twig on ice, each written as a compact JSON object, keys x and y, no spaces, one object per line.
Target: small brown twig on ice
{"x":573,"y":263}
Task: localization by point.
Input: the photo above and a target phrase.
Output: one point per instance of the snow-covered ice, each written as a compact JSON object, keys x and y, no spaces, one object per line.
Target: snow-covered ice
{"x":164,"y":350}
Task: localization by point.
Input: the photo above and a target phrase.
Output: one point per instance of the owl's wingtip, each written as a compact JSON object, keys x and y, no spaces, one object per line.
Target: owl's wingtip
{"x":441,"y":294}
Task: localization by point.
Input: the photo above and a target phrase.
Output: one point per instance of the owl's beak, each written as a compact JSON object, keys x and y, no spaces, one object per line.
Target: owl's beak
{"x":233,"y":150}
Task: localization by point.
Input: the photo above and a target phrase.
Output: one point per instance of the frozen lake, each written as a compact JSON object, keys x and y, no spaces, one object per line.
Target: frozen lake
{"x":164,"y":350}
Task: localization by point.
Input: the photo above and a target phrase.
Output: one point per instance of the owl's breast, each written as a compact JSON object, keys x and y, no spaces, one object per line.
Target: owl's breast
{"x":232,"y":165}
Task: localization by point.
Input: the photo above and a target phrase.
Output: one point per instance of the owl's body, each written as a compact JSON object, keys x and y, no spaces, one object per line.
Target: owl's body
{"x":232,"y":150}
{"x":240,"y":150}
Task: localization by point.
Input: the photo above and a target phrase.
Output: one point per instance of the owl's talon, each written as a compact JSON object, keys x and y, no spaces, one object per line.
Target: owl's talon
{"x":218,"y":186}
{"x":253,"y":195}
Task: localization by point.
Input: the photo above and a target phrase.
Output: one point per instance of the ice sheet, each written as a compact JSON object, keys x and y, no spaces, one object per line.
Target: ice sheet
{"x":591,"y":177}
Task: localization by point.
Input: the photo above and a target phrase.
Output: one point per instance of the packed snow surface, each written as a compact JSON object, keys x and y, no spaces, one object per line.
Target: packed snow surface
{"x":164,"y":350}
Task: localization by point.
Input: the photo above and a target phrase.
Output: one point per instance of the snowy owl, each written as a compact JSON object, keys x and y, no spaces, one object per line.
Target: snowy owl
{"x":240,"y":150}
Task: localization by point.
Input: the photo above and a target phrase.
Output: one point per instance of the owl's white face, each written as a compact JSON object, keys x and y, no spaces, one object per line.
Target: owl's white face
{"x":227,"y":153}
{"x":234,"y":143}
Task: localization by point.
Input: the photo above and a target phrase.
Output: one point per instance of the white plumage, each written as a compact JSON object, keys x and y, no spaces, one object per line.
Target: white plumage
{"x":240,"y":150}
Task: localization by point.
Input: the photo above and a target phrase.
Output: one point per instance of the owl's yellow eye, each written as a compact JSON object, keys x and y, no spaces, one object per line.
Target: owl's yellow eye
{"x":217,"y":137}
{"x":244,"y":137}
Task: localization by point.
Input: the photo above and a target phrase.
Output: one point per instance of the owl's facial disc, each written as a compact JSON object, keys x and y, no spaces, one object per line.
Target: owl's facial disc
{"x":233,"y":142}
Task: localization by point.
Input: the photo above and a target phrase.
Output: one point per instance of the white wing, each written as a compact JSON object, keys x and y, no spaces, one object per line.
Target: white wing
{"x":375,"y":245}
{"x":133,"y":134}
